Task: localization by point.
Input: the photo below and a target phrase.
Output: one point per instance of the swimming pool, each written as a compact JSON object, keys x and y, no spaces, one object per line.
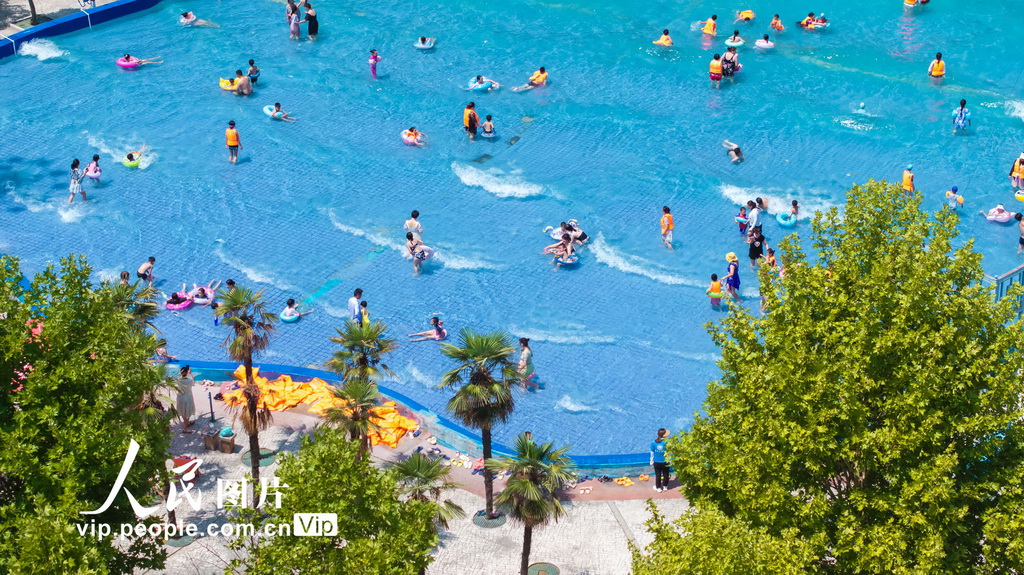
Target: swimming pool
{"x":622,"y":129}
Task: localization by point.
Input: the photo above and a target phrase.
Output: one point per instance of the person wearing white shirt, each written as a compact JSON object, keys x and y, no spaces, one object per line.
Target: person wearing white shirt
{"x":354,"y":313}
{"x":413,"y":225}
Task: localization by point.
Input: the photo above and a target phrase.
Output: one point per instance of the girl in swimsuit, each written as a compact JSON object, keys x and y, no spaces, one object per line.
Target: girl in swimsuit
{"x":437,"y":333}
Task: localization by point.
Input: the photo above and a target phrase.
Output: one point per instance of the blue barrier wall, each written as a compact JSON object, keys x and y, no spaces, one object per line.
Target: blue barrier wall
{"x":75,"y":22}
{"x":444,"y":428}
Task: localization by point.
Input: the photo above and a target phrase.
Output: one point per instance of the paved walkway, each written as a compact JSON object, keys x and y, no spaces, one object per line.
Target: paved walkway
{"x":12,"y":11}
{"x":592,"y":539}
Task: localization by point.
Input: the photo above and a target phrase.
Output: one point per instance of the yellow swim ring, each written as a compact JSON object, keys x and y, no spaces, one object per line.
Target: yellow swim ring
{"x":227,"y":84}
{"x":1019,"y":195}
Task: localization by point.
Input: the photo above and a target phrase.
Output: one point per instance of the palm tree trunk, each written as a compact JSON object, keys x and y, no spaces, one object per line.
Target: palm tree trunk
{"x":32,"y":9}
{"x":485,"y":434}
{"x":254,"y":433}
{"x":524,"y":565}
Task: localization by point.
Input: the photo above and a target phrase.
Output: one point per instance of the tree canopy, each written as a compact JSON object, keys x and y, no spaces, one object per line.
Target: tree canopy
{"x":869,"y":421}
{"x":73,"y":372}
{"x":378,"y":532}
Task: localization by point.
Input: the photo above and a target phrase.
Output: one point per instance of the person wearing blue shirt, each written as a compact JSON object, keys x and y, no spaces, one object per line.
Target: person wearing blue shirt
{"x":658,"y":461}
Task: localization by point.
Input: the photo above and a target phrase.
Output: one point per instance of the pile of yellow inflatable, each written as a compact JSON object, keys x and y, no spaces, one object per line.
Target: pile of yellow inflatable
{"x":283,"y":393}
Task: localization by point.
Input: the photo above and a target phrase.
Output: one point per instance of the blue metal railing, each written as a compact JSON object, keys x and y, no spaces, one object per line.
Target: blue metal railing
{"x":1003,"y":282}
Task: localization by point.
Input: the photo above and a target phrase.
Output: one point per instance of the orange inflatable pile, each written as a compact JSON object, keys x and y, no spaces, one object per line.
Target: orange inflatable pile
{"x":283,"y":393}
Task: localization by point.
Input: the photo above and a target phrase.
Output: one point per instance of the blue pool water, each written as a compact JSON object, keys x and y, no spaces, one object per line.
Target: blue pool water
{"x":316,"y":207}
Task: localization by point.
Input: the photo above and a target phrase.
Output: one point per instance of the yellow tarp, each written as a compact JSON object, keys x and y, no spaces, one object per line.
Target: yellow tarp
{"x":283,"y":393}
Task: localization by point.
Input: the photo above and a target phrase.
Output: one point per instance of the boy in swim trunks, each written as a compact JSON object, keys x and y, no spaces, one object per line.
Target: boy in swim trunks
{"x":488,"y":126}
{"x":145,"y":271}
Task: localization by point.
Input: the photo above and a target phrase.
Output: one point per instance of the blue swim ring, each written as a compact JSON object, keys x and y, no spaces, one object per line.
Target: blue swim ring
{"x":569,"y":261}
{"x":481,"y":88}
{"x":786,"y":220}
{"x":269,"y":110}
{"x":493,"y":134}
{"x":289,"y":319}
{"x":732,"y":44}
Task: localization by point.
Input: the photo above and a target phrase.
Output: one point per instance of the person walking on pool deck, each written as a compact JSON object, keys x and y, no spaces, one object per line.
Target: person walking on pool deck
{"x":413,"y":225}
{"x":374,"y":59}
{"x":145,"y":271}
{"x":937,"y":69}
{"x":667,"y":225}
{"x":233,"y":142}
{"x":658,"y":461}
{"x":526,"y":369}
{"x":77,"y":175}
{"x":186,"y":404}
{"x":470,"y":120}
{"x":908,"y":180}
{"x":353,"y":306}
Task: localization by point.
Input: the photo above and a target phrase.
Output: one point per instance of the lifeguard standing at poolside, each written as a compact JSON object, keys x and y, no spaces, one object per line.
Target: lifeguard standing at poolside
{"x":937,"y":68}
{"x":233,"y":142}
{"x":710,"y":25}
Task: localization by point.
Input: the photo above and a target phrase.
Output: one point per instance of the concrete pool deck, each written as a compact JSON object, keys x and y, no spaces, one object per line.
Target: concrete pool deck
{"x":16,"y":11}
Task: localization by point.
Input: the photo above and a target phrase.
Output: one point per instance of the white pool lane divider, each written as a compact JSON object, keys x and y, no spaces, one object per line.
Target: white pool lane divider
{"x":358,"y":264}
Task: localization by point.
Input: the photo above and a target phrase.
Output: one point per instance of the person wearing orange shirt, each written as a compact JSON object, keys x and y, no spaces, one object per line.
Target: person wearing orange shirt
{"x":777,"y":23}
{"x":470,"y":120}
{"x":667,"y":225}
{"x":715,"y":71}
{"x":937,"y":68}
{"x":234,"y":142}
{"x":665,"y":39}
{"x":908,"y":180}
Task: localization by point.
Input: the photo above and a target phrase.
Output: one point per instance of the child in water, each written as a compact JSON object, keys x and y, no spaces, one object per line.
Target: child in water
{"x":488,"y":127}
{"x":795,"y":210}
{"x":777,"y":23}
{"x":714,"y":292}
{"x":254,"y":73}
{"x":741,"y":219}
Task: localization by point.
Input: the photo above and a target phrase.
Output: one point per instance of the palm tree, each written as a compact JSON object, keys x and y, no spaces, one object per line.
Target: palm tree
{"x":426,"y":479}
{"x":362,"y":351}
{"x":360,"y":397}
{"x":251,"y":325}
{"x":484,"y":377}
{"x":530,"y":496}
{"x":137,"y":303}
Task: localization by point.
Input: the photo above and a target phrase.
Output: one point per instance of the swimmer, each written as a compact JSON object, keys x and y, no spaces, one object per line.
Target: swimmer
{"x":415,"y":248}
{"x":233,"y":142}
{"x":189,"y":19}
{"x":488,"y":126}
{"x":145,"y":271}
{"x":908,"y":180}
{"x":735,"y":38}
{"x":1016,"y":173}
{"x":538,"y":79}
{"x":436,"y":333}
{"x":283,"y":115}
{"x":998,"y":212}
{"x":710,"y":25}
{"x":668,"y":224}
{"x":861,"y":109}
{"x":665,"y":39}
{"x":735,"y":153}
{"x":807,"y":22}
{"x":561,"y":250}
{"x":481,"y":81}
{"x":424,"y":42}
{"x":292,"y":310}
{"x":765,"y":43}
{"x":741,"y":220}
{"x":204,"y":292}
{"x":744,"y":16}
{"x":777,"y":23}
{"x":93,"y":170}
{"x":413,"y":136}
{"x":141,"y":61}
{"x":136,"y":155}
{"x":413,"y":225}
{"x":715,"y":71}
{"x":470,"y":120}
{"x":953,"y":199}
{"x":961,"y":118}
{"x":579,"y":237}
{"x":374,"y":60}
{"x":937,"y":68}
{"x":253,"y":73}
{"x":730,"y":62}
{"x":795,"y":210}
{"x":821,"y":20}
{"x":243,"y":87}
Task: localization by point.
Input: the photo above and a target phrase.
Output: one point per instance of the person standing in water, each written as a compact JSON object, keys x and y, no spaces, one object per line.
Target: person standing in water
{"x":470,"y":120}
{"x":732,"y":277}
{"x":1016,"y":173}
{"x":715,"y":71}
{"x":254,"y":73}
{"x":353,"y":305}
{"x":526,"y":370}
{"x":710,"y":25}
{"x":413,"y":225}
{"x":145,"y":271}
{"x":937,"y":69}
{"x":908,"y":180}
{"x":76,"y":181}
{"x":293,"y":25}
{"x":658,"y":461}
{"x":243,"y":86}
{"x":374,"y":59}
{"x":667,"y":225}
{"x":313,"y":27}
{"x":234,"y":142}
{"x":961,"y":118}
{"x":665,"y":39}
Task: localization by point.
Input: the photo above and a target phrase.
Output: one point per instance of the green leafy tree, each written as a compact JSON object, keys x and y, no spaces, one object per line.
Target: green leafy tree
{"x":73,"y":374}
{"x":251,"y":327}
{"x":137,"y":302}
{"x":483,"y":379}
{"x":427,"y":479}
{"x":378,"y":532}
{"x":356,"y":418}
{"x":530,"y":497}
{"x":872,"y":415}
{"x":362,"y":351}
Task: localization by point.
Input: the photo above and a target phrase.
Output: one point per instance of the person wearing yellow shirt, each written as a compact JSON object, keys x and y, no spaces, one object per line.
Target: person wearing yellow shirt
{"x":665,"y":39}
{"x":908,"y":180}
{"x":744,"y":16}
{"x":777,"y":23}
{"x":710,"y":25}
{"x":937,"y":68}
{"x":539,"y":78}
{"x":667,"y":225}
{"x":1017,"y":173}
{"x":715,"y":71}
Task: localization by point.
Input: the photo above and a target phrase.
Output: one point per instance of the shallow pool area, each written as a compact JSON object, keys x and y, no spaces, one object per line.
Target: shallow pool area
{"x":314,"y":208}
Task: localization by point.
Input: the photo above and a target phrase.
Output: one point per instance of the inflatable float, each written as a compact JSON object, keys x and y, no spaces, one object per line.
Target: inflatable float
{"x":429,"y":44}
{"x":183,"y":305}
{"x":493,"y":134}
{"x":1019,"y":195}
{"x":289,"y":318}
{"x":425,"y":253}
{"x":210,"y":296}
{"x":786,"y":220}
{"x":228,"y":85}
{"x":999,"y":217}
{"x":486,"y":86}
{"x":131,"y":163}
{"x":133,"y":63}
{"x":409,"y":139}
{"x":569,"y":261}
{"x":93,"y":173}
{"x":736,"y":44}
{"x":269,"y":110}
{"x":764,"y":44}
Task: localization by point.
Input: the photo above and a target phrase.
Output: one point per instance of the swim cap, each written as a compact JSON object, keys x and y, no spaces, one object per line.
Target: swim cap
{"x":910,"y":166}
{"x":954,"y":188}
